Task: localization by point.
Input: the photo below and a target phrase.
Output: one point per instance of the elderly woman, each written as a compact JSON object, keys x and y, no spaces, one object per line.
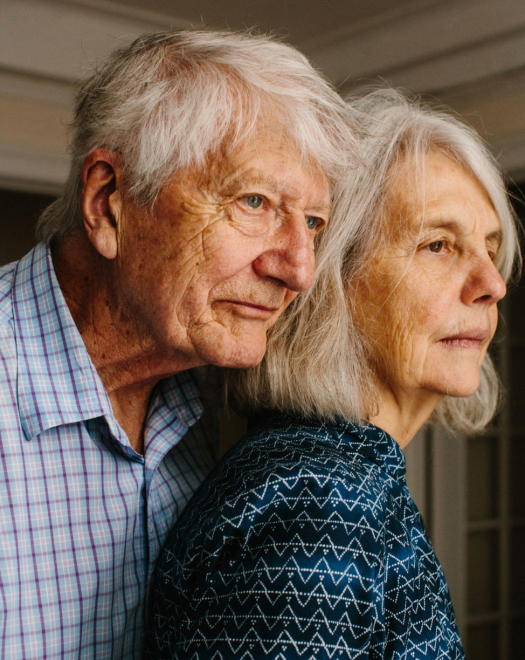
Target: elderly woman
{"x":304,"y":542}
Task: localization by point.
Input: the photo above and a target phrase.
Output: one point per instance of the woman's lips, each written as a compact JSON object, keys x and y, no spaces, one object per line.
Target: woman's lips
{"x":470,"y":339}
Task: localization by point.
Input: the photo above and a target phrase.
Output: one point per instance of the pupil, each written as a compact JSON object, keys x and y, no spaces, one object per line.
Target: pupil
{"x":254,"y":202}
{"x":311,"y":223}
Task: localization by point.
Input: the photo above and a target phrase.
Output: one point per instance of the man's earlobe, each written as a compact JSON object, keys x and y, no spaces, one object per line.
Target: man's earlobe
{"x":101,"y":200}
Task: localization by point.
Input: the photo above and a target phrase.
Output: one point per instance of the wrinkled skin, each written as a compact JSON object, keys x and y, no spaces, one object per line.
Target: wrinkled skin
{"x":428,"y":301}
{"x":198,"y":279}
{"x":206,"y":274}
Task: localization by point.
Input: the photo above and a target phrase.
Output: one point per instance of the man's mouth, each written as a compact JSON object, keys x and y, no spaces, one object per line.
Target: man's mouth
{"x":267,"y":308}
{"x":253,"y":309}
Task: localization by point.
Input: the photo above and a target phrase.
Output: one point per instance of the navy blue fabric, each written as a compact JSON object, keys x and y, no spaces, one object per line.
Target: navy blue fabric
{"x":303,"y":543}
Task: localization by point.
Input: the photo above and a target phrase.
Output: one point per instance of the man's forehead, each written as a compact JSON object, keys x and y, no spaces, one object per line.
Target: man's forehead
{"x":269,"y":158}
{"x":275,"y":184}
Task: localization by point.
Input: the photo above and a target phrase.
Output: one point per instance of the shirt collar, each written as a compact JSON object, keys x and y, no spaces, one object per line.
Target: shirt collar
{"x":57,"y":381}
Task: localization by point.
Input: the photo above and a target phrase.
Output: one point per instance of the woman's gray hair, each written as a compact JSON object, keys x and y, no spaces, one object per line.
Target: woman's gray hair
{"x":316,"y":363}
{"x":172,"y":101}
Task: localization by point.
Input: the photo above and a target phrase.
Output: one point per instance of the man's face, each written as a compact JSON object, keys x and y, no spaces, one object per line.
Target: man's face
{"x":223,"y":253}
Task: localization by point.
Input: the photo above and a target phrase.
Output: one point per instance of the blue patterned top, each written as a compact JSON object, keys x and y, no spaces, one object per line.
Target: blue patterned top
{"x":303,"y":543}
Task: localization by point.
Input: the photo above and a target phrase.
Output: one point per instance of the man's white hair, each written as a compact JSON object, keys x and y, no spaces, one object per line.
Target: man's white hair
{"x":318,"y":363}
{"x":172,"y":101}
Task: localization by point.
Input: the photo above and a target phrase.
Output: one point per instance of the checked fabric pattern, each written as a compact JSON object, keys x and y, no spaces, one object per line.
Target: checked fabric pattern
{"x":83,"y":517}
{"x":304,"y":544}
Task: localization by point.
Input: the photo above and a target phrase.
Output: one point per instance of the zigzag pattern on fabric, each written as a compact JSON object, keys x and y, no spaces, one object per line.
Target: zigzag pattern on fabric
{"x":303,"y":543}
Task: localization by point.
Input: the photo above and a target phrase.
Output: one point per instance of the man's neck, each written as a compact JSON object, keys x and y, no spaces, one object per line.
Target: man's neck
{"x":125,"y":357}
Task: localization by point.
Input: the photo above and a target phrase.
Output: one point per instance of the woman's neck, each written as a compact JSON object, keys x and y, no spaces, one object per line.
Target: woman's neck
{"x":402,"y":414}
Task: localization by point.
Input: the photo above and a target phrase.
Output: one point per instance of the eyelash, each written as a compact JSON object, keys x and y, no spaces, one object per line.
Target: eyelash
{"x":244,"y":199}
{"x":443,"y":244}
{"x":319,"y":222}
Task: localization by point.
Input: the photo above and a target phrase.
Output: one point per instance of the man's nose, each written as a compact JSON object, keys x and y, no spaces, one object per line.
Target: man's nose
{"x":289,"y":254}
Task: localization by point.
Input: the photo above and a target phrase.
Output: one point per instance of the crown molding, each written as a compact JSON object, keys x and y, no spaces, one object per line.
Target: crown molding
{"x":36,"y":88}
{"x":62,"y":39}
{"x":464,"y":67}
{"x":370,"y":24}
{"x":479,"y":92}
{"x":425,"y":42}
{"x":510,"y":153}
{"x":31,"y":169}
{"x":156,"y":19}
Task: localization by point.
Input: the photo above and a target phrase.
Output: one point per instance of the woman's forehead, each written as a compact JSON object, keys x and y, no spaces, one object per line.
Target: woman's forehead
{"x":422,"y":190}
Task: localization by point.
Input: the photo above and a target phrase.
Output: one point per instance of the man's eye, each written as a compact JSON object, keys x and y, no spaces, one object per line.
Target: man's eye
{"x":436,"y":246}
{"x":253,"y":201}
{"x":312,"y":222}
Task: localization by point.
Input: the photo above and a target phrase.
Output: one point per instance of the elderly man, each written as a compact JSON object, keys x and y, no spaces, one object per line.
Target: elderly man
{"x":201,"y":172}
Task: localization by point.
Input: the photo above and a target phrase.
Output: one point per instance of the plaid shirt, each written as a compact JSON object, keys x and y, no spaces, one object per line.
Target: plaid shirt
{"x":82,"y":515}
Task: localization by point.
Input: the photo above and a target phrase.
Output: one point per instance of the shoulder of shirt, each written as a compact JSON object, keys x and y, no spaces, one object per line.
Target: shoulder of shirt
{"x":306,"y":452}
{"x":6,"y":286}
{"x":272,"y":462}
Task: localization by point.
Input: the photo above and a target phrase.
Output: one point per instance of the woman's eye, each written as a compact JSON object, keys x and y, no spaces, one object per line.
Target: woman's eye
{"x":312,"y":222}
{"x":436,"y":246}
{"x":254,"y":201}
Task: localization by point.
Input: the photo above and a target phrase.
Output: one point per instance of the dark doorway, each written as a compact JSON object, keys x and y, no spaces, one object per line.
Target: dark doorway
{"x":19,"y":212}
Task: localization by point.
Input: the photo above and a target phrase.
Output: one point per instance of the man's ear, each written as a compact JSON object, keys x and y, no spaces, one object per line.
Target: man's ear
{"x":102,"y":200}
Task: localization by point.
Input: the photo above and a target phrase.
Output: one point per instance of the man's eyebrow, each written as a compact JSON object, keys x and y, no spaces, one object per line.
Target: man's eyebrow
{"x":252,"y":176}
{"x":274,"y":185}
{"x":320,"y":208}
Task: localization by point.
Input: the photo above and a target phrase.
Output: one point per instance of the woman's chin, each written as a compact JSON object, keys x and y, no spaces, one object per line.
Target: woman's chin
{"x":452,"y":376}
{"x":461,"y":387}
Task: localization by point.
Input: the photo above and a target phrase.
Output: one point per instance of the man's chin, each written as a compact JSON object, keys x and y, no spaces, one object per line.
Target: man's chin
{"x":244,"y":362}
{"x":238,"y":357}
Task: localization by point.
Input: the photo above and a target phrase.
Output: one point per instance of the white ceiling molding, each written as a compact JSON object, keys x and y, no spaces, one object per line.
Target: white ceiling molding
{"x":35,"y":88}
{"x":462,"y":68}
{"x":163,"y":21}
{"x":45,"y":46}
{"x":413,"y":41}
{"x":346,"y":32}
{"x":62,"y":40}
{"x":481,"y":91}
{"x":460,"y":50}
{"x":510,"y":153}
{"x":24,"y":167}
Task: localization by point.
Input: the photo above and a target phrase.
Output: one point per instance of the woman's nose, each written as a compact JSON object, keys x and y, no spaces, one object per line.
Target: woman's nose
{"x":485,"y":283}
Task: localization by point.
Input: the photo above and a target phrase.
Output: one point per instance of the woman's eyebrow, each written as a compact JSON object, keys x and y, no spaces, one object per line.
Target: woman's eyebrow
{"x":441,"y":223}
{"x":456,"y":227}
{"x":496,"y":236}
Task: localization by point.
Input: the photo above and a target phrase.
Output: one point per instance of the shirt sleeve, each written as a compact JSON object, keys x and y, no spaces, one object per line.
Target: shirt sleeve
{"x":294,"y":569}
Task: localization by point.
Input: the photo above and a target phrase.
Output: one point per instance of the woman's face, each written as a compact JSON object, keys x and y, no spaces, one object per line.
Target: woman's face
{"x":428,"y":300}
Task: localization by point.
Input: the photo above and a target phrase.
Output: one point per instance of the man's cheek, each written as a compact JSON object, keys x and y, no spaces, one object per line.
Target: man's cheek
{"x":227,"y":253}
{"x":250,"y":224}
{"x":289,"y":296}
